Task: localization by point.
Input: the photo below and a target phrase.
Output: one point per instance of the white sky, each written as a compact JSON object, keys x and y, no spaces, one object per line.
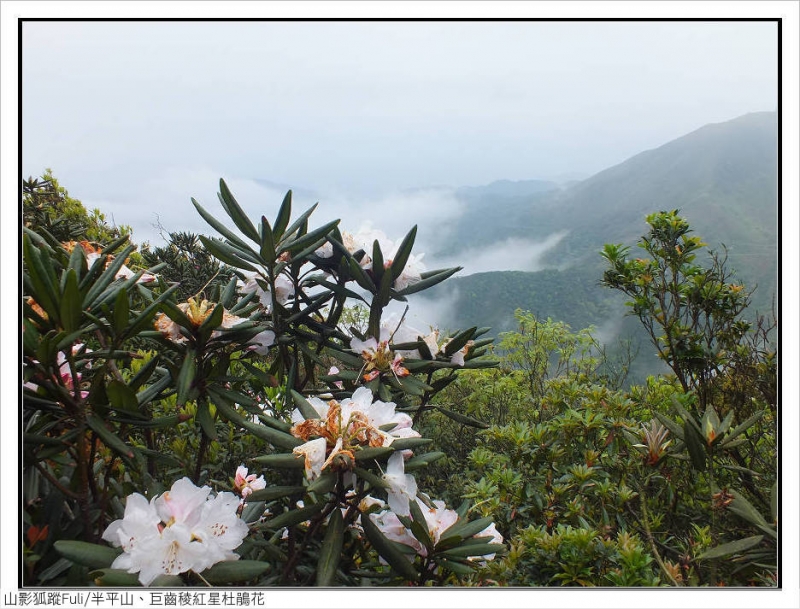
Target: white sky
{"x":135,"y":118}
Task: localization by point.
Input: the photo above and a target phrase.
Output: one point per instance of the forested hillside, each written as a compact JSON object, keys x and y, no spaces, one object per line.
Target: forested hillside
{"x":722,"y":177}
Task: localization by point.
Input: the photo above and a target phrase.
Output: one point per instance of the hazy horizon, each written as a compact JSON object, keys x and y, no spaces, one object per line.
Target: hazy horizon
{"x":376,"y":120}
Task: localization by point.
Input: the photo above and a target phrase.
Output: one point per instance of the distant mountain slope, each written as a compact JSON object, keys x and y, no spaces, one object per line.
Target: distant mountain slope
{"x":723,"y":178}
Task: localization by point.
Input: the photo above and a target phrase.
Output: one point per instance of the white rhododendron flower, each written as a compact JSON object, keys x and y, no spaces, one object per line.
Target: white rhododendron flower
{"x":181,"y":530}
{"x":261,"y":342}
{"x":284,"y":290}
{"x":345,"y":427}
{"x":402,"y":486}
{"x":314,"y":454}
{"x":378,"y":356}
{"x":245,"y":483}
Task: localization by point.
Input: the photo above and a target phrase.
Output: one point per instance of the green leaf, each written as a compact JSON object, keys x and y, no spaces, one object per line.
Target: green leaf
{"x":419,"y":526}
{"x":117,"y":578}
{"x":108,"y":437}
{"x":281,"y":461}
{"x":372,"y":479}
{"x":267,"y":242}
{"x":293,"y":517}
{"x":205,"y":420}
{"x":276,"y":492}
{"x":420,"y":461}
{"x":220,"y":227}
{"x":732,"y":547}
{"x":459,"y":568}
{"x":461,"y":530}
{"x":236,"y":213}
{"x":410,"y":443}
{"x":389,"y":550}
{"x":375,"y":452}
{"x":226,"y":253}
{"x":331,"y":550}
{"x":230,"y":571}
{"x":324,"y":483}
{"x":89,"y":555}
{"x":474,"y":549}
{"x":306,"y":409}
{"x":429,"y":280}
{"x":284,"y":213}
{"x":695,"y":444}
{"x":308,"y":239}
{"x":462,"y":418}
{"x":122,"y":398}
{"x":744,"y":509}
{"x":742,"y":427}
{"x":270,"y":434}
{"x":71,"y":305}
{"x":186,"y":377}
{"x":403,"y":252}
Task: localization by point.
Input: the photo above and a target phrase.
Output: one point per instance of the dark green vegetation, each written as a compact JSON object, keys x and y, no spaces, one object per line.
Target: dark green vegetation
{"x":722,"y":178}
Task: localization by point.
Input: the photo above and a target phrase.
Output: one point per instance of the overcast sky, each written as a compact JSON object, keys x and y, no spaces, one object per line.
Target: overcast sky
{"x":136,"y":117}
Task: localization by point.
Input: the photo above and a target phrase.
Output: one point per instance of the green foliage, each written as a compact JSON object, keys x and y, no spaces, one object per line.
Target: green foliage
{"x":132,"y":383}
{"x":47,"y":206}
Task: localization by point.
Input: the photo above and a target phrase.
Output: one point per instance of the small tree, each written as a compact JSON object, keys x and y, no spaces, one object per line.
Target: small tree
{"x":691,"y":313}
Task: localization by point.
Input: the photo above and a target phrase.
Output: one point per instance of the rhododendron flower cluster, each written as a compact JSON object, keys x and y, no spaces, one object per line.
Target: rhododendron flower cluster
{"x":344,"y":427}
{"x":184,"y":529}
{"x":197,"y":312}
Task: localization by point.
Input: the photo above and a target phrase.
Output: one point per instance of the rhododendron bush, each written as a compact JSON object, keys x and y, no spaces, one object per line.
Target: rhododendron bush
{"x":247,"y":434}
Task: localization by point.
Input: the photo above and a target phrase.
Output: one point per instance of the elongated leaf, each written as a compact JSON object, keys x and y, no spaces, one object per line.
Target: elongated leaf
{"x":428,"y":282}
{"x":122,"y":398}
{"x":42,"y":278}
{"x":695,"y":445}
{"x":306,"y":409}
{"x":389,"y":550}
{"x":267,"y":242}
{"x":673,"y":427}
{"x":461,"y":530}
{"x":742,"y":427}
{"x":71,"y":304}
{"x":270,"y":434}
{"x":306,"y":240}
{"x":108,"y":437}
{"x":454,"y":566}
{"x":477,"y":549}
{"x":361,"y":277}
{"x":205,"y":420}
{"x":373,"y":453}
{"x":236,"y":213}
{"x":373,"y":480}
{"x":745,"y":510}
{"x":419,"y":526}
{"x":186,"y":377}
{"x":220,"y":227}
{"x":230,"y":571}
{"x":403,"y":252}
{"x":298,"y":225}
{"x":275,"y":492}
{"x":293,"y":517}
{"x":284,"y":213}
{"x":281,"y":461}
{"x":89,"y":555}
{"x":420,"y":461}
{"x":118,"y":578}
{"x":732,"y":547}
{"x":412,"y":443}
{"x":462,"y":418}
{"x":331,"y":551}
{"x":324,"y":483}
{"x":218,"y":250}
